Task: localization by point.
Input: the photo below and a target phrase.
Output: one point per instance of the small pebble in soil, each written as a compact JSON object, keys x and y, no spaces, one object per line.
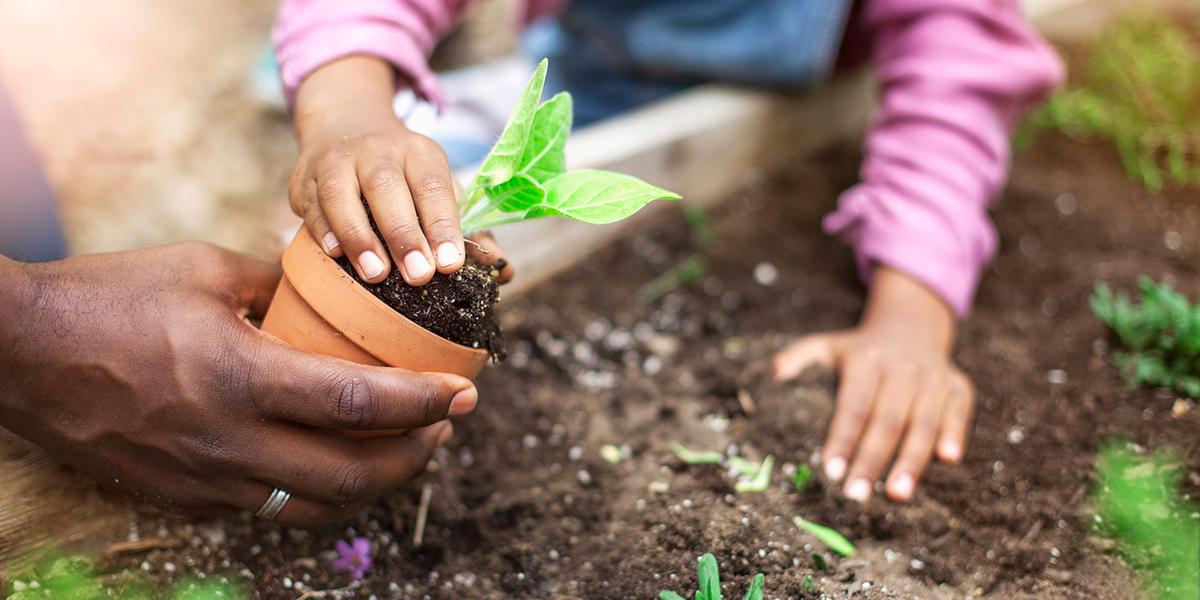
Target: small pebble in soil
{"x":575,"y":453}
{"x":1066,"y":203}
{"x":1016,"y":435}
{"x":1173,"y":240}
{"x":1056,"y":376}
{"x":765,"y":274}
{"x":652,"y":366}
{"x":529,"y":441}
{"x":584,"y":477}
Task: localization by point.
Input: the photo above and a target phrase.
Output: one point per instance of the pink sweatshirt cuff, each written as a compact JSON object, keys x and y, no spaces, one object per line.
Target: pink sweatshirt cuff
{"x":312,"y":33}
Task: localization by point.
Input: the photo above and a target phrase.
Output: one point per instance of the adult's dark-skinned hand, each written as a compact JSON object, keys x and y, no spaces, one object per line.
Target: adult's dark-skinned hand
{"x":142,"y":370}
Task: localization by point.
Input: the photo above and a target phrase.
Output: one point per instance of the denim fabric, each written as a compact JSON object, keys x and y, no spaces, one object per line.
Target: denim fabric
{"x":613,"y":55}
{"x":29,"y":226}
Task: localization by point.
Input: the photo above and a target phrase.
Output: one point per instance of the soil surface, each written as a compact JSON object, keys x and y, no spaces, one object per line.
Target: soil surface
{"x":523,"y":505}
{"x":459,"y":307}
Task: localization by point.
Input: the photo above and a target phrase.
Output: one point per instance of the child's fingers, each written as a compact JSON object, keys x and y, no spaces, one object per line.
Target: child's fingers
{"x":387,"y":193}
{"x":432,"y":188}
{"x":799,"y":355}
{"x":917,"y":448}
{"x":859,"y":379}
{"x":338,"y":193}
{"x":956,"y":418}
{"x":897,"y":391}
{"x":302,"y":196}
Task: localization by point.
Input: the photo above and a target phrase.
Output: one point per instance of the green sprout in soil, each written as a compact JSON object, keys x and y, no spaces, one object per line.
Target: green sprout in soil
{"x":693,"y":457}
{"x":710,"y":583}
{"x":803,"y":475}
{"x":1157,"y":533}
{"x":525,"y":175}
{"x":611,"y":454}
{"x":1161,"y":336}
{"x":687,"y":271}
{"x":827,"y":535}
{"x":760,"y":481}
{"x":1140,"y":93}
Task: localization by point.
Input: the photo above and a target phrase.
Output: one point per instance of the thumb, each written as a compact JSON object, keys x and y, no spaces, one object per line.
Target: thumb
{"x":812,"y":350}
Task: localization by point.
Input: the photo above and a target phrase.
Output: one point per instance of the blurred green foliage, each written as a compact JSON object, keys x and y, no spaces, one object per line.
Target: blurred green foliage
{"x":1161,"y":336}
{"x":1140,"y":90}
{"x":1157,"y":533}
{"x":74,"y":578}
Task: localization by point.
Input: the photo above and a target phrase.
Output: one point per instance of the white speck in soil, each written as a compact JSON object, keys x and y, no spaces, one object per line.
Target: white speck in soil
{"x":530,"y":441}
{"x":575,"y":453}
{"x":584,"y":477}
{"x":1055,"y":553}
{"x":555,"y":468}
{"x":716,"y":423}
{"x":687,"y":503}
{"x":1173,"y":240}
{"x":618,"y":339}
{"x":997,"y":466}
{"x":765,"y":274}
{"x":652,"y":366}
{"x":659,"y":487}
{"x":1016,"y":435}
{"x":465,"y":457}
{"x":1056,"y":376}
{"x":916,"y":565}
{"x":1066,"y":203}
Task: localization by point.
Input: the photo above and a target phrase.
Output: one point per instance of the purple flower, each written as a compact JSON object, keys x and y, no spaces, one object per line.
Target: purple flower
{"x":356,"y":559}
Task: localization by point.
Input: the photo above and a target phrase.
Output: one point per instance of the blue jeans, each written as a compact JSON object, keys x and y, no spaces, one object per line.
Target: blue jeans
{"x":613,"y":55}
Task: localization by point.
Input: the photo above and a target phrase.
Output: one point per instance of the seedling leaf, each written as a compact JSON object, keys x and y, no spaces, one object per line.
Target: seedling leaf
{"x":744,"y":466}
{"x":802,"y":477}
{"x":667,"y":595}
{"x":761,"y":480}
{"x":710,"y":579}
{"x":504,"y":159}
{"x":693,"y":457}
{"x":756,"y":588}
{"x":828,"y":536}
{"x":543,"y":158}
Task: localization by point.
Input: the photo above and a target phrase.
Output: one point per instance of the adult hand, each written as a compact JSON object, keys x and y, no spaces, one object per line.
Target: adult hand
{"x":141,"y":369}
{"x":900,"y":394}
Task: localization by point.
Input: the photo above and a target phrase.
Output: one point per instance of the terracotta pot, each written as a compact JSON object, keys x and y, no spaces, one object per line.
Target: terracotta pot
{"x":319,"y":308}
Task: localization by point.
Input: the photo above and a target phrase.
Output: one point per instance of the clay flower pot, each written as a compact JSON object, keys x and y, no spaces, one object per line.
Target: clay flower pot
{"x":319,"y":308}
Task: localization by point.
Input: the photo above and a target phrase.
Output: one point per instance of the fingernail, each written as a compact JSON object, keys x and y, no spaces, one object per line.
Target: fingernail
{"x":444,"y":436}
{"x":329,"y":241}
{"x":859,"y":490}
{"x":463,"y":402}
{"x":902,"y":486}
{"x":835,"y":468}
{"x":448,"y":254}
{"x":416,"y":264}
{"x":370,"y":264}
{"x":951,"y":451}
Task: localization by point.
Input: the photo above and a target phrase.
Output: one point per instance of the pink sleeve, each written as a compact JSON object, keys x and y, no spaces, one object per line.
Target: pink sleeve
{"x":312,"y":33}
{"x":956,"y":75}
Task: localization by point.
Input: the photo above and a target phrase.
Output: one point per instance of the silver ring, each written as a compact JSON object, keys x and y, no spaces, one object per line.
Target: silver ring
{"x":274,"y":504}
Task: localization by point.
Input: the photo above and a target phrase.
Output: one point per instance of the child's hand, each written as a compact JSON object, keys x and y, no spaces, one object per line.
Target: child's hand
{"x":351,"y":147}
{"x":900,"y":395}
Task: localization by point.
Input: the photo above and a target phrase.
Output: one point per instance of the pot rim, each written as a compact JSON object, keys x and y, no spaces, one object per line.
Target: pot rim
{"x":310,"y":270}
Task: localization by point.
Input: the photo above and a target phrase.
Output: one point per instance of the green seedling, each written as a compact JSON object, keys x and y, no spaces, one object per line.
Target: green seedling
{"x":1157,"y":532}
{"x":693,"y":457}
{"x":710,"y":583}
{"x":803,"y":475}
{"x":761,"y":480}
{"x":808,"y":585}
{"x":525,"y":175}
{"x":698,"y":223}
{"x":1139,"y":93}
{"x":74,"y":578}
{"x":818,"y":561}
{"x":691,"y":269}
{"x":610,"y":453}
{"x":744,"y":466}
{"x":1161,"y":336}
{"x":828,"y":536}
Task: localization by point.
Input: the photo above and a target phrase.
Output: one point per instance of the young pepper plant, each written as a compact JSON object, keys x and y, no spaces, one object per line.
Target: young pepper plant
{"x":525,"y":175}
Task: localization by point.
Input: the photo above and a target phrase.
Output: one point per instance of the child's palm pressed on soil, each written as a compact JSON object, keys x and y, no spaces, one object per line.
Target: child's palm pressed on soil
{"x":900,"y":395}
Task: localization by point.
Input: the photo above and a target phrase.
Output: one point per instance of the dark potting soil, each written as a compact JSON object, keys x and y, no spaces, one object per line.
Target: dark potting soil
{"x":458,"y":306}
{"x":523,"y":505}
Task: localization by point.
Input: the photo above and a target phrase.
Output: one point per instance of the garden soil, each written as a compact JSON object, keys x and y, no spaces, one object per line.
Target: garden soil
{"x":524,"y":506}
